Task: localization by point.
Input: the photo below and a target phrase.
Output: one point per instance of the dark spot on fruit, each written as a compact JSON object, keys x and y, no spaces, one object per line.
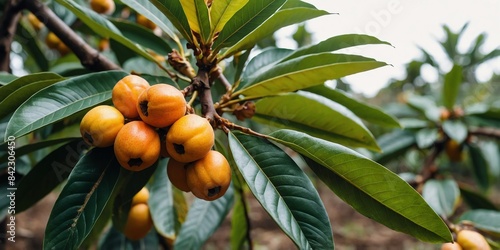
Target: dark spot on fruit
{"x":144,"y":107}
{"x":89,"y":138}
{"x":179,"y":148}
{"x":214,"y":191}
{"x":134,"y":162}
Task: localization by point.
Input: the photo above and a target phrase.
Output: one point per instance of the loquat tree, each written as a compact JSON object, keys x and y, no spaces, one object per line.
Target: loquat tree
{"x":176,"y":96}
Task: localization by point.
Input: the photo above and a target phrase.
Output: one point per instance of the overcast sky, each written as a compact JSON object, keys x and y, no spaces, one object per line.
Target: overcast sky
{"x":406,"y":24}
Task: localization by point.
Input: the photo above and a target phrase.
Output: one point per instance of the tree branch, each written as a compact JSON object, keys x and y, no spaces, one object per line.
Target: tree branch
{"x":8,"y":26}
{"x":89,"y":57}
{"x":488,"y":132}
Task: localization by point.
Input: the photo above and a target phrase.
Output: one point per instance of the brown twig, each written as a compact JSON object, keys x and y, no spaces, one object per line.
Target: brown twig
{"x":8,"y":26}
{"x":429,"y":168}
{"x":89,"y":57}
{"x":488,"y":132}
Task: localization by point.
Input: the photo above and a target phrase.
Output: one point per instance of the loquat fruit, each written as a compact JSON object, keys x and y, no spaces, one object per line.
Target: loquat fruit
{"x":137,"y":146}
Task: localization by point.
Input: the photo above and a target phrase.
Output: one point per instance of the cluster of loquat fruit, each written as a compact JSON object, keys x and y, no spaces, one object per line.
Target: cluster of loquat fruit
{"x":467,"y":240}
{"x":147,"y":122}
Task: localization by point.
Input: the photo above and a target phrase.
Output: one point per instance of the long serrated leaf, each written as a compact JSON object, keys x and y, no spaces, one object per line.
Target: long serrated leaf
{"x":451,"y":86}
{"x":283,"y":190}
{"x":247,"y":19}
{"x":282,"y":18}
{"x":62,"y":100}
{"x":161,"y":202}
{"x":48,"y":174}
{"x":37,"y":146}
{"x":172,"y":9}
{"x":488,"y":220}
{"x":102,"y":26}
{"x":198,"y":17}
{"x":335,"y":43}
{"x":316,"y":115}
{"x":143,"y":36}
{"x":25,"y":80}
{"x":367,"y":112}
{"x":304,"y":72}
{"x":17,"y":97}
{"x":82,"y":199}
{"x":491,"y":154}
{"x":368,"y":187}
{"x":442,"y":196}
{"x":264,"y":61}
{"x":479,"y":167}
{"x":147,"y":9}
{"x":203,"y":218}
{"x":221,"y":11}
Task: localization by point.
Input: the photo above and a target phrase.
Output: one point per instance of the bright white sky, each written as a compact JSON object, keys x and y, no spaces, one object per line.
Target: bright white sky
{"x":405,"y":24}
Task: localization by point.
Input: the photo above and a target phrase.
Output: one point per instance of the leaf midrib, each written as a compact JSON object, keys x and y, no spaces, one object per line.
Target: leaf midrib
{"x":324,"y":164}
{"x":280,"y":195}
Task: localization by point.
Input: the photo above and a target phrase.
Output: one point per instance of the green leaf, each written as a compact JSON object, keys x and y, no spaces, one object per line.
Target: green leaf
{"x":103,"y":27}
{"x":479,"y":166}
{"x":368,"y":187}
{"x":413,"y":123}
{"x":82,"y":199}
{"x":115,"y":240}
{"x":172,"y":9}
{"x":451,"y":86}
{"x":364,"y":111}
{"x":31,"y":44}
{"x":148,"y":10}
{"x":456,"y":130}
{"x":48,"y":174}
{"x":6,"y":78}
{"x":17,"y":83}
{"x":316,"y":115}
{"x":393,"y":145}
{"x":426,"y":137}
{"x":284,"y":17}
{"x":16,"y":98}
{"x":239,"y":222}
{"x":29,"y":148}
{"x":476,"y":200}
{"x":487,"y":220}
{"x":143,"y":36}
{"x":442,"y":195}
{"x":221,"y":11}
{"x":283,"y":190}
{"x":198,"y":17}
{"x":203,"y":218}
{"x":425,"y":105}
{"x":246,"y":20}
{"x":62,"y":100}
{"x":131,"y":182}
{"x":491,"y":154}
{"x":335,"y":43}
{"x":304,"y":72}
{"x":264,"y":61}
{"x":161,"y":202}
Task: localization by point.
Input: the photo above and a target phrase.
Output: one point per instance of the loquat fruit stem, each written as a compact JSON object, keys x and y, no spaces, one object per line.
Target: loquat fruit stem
{"x":226,"y":124}
{"x":193,"y":98}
